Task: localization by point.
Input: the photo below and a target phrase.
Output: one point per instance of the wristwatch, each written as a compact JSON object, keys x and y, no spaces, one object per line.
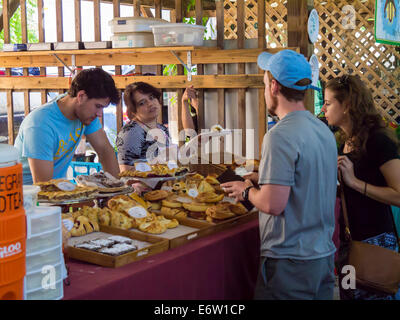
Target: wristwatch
{"x":245,"y":193}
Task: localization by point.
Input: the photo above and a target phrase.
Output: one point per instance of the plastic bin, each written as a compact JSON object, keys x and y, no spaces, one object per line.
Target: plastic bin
{"x":34,"y":279}
{"x":30,"y":197}
{"x":134,"y":24}
{"x":46,"y":294}
{"x":133,"y":40}
{"x":43,"y":219}
{"x":44,"y":241}
{"x":178,"y":34}
{"x":84,"y":168}
{"x":37,"y":260}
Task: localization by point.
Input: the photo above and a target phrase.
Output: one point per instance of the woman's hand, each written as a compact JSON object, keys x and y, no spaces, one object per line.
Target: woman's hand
{"x":347,"y":170}
{"x":190,"y":93}
{"x":235,"y":188}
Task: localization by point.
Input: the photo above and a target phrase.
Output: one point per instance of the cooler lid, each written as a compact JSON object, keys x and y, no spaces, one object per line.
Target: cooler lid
{"x":8,"y":153}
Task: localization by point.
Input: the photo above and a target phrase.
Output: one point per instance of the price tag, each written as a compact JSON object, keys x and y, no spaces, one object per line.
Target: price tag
{"x":137,"y":212}
{"x":142,"y":166}
{"x":193,"y":193}
{"x":66,"y":186}
{"x":68,"y":224}
{"x":172,"y":165}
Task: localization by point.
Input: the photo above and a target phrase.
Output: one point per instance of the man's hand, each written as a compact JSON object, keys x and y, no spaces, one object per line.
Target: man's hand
{"x":253,"y":177}
{"x":236,"y":188}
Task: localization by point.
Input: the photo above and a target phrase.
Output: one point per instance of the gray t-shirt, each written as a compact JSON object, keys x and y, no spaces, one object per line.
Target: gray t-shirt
{"x":300,"y":151}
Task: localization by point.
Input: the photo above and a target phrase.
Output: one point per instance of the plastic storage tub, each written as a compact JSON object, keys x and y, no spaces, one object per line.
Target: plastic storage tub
{"x":43,"y":219}
{"x":134,"y":24}
{"x":46,"y":294}
{"x":178,"y":34}
{"x":37,"y":260}
{"x":35,"y":279}
{"x":133,"y":40}
{"x":43,"y":241}
{"x":30,"y":197}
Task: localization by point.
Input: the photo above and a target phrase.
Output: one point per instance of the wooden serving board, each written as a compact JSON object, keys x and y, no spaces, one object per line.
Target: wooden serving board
{"x":150,"y":245}
{"x":188,"y":230}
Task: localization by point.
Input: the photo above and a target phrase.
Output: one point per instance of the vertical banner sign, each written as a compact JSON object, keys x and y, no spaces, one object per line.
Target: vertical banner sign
{"x":387,"y":21}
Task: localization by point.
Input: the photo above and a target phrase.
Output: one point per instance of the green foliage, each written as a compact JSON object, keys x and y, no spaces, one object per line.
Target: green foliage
{"x":15,"y":24}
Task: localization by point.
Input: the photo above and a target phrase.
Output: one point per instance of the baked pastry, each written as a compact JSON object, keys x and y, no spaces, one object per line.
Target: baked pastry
{"x":197,"y":215}
{"x":118,"y":249}
{"x":238,"y":208}
{"x":220,"y":211}
{"x":171,"y":202}
{"x":169,"y":223}
{"x":120,"y":239}
{"x":156,"y":195}
{"x":83,"y":226}
{"x":155,"y":205}
{"x":104,"y":217}
{"x":104,"y":181}
{"x":51,"y":185}
{"x":209,"y":197}
{"x":204,"y":186}
{"x":120,"y":220}
{"x":154,"y":227}
{"x":212,"y":179}
{"x":196,"y":206}
{"x":174,"y":212}
{"x":77,"y":194}
{"x":90,"y":212}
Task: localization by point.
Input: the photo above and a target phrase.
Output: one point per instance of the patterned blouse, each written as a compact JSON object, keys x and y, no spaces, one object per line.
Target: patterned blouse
{"x":133,"y":142}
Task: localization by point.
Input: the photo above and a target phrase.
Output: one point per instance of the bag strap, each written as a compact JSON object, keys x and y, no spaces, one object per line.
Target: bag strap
{"x":344,"y":207}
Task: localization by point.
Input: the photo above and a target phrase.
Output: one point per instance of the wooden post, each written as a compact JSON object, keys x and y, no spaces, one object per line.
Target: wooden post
{"x":159,"y":68}
{"x":43,"y":93}
{"x":9,"y":93}
{"x":262,"y":112}
{"x":221,"y":67}
{"x":136,"y":13}
{"x":119,"y":109}
{"x":200,"y":69}
{"x":59,"y":21}
{"x":297,"y":18}
{"x":241,"y":70}
{"x":24,"y":38}
{"x":179,"y":18}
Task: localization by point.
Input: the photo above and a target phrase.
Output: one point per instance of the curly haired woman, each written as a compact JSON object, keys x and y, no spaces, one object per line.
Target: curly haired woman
{"x":369,"y":163}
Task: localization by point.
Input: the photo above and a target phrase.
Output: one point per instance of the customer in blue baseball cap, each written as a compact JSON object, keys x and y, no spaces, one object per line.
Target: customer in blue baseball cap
{"x":297,"y":188}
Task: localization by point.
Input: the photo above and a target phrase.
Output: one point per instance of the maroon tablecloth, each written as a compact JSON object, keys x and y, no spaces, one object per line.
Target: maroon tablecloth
{"x":220,"y":266}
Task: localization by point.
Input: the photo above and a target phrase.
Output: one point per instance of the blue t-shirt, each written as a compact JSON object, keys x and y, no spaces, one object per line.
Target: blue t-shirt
{"x":46,"y":134}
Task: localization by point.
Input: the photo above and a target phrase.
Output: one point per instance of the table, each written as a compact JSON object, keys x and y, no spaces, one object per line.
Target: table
{"x":220,"y":266}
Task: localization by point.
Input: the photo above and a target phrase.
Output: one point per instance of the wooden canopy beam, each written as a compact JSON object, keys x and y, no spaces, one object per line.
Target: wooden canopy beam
{"x":168,"y":82}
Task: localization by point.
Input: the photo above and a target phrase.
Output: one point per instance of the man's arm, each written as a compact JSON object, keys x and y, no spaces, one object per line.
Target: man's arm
{"x":105,"y":151}
{"x":41,"y":170}
{"x":270,"y":198}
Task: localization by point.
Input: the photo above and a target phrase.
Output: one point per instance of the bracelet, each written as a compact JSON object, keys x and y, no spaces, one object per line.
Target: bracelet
{"x":365,"y":189}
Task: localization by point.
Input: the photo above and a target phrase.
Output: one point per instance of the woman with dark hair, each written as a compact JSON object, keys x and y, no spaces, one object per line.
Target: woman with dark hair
{"x":369,"y":163}
{"x":142,"y":138}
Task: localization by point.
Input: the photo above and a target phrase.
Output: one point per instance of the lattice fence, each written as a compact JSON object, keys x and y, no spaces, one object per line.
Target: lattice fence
{"x":354,"y":50}
{"x":340,"y":50}
{"x":276,"y":18}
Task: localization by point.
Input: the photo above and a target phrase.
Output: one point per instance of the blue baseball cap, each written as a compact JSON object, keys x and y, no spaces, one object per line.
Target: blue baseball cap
{"x":288,"y":67}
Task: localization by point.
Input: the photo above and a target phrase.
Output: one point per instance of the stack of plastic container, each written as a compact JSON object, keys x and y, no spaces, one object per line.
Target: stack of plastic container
{"x":133,"y":32}
{"x":45,"y":268}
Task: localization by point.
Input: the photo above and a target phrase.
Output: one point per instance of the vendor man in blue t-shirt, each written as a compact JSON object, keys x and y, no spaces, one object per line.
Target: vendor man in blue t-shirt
{"x":49,"y":135}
